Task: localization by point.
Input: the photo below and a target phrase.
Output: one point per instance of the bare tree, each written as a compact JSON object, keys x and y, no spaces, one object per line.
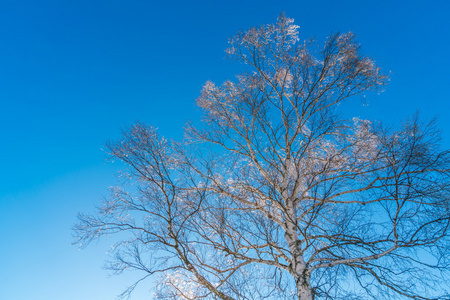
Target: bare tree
{"x":277,"y":196}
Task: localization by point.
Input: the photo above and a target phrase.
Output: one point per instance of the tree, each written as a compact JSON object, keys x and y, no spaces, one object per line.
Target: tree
{"x":275,"y":195}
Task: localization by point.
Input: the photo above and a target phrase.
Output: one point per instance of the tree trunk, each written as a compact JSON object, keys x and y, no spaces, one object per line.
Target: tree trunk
{"x":304,"y":290}
{"x":299,"y":268}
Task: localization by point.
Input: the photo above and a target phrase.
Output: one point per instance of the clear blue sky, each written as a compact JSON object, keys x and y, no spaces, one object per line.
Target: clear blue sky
{"x":73,"y":73}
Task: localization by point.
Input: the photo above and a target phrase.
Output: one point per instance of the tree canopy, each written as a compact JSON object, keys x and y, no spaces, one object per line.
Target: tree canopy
{"x":276,"y":195}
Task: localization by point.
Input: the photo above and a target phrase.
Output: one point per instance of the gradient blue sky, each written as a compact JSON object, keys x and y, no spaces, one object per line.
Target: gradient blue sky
{"x":73,"y":73}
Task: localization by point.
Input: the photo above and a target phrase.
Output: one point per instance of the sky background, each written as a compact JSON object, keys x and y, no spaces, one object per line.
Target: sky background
{"x":74,"y":73}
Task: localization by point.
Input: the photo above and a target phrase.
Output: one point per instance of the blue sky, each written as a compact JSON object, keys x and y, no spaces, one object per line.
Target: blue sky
{"x":73,"y":73}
